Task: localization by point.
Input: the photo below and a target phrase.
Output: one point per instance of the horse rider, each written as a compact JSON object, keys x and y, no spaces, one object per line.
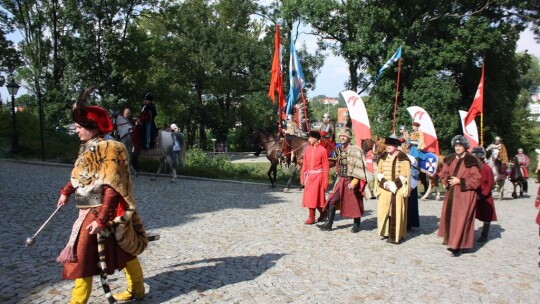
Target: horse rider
{"x":416,"y":141}
{"x":292,"y":127}
{"x":523,"y":161}
{"x":327,"y":130}
{"x":103,"y":194}
{"x":498,"y":145}
{"x":403,"y":138}
{"x":146,"y":119}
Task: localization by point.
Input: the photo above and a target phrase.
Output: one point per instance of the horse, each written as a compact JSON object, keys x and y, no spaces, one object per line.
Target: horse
{"x":516,"y":177}
{"x":262,"y":140}
{"x":499,"y":171}
{"x":162,"y":150}
{"x":296,"y":146}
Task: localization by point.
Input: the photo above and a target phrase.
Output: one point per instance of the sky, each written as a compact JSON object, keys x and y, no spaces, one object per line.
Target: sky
{"x":334,"y":72}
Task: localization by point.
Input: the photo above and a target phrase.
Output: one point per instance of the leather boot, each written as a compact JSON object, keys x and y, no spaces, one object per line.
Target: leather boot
{"x":135,"y":282}
{"x":81,"y":291}
{"x":485,"y":232}
{"x":322,"y":214}
{"x":356,"y":226}
{"x":330,"y":222}
{"x":311,"y":219}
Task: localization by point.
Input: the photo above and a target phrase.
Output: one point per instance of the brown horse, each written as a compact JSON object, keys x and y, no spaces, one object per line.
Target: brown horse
{"x":261,"y":140}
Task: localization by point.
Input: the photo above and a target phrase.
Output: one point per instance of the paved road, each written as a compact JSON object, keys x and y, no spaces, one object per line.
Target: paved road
{"x":224,"y":242}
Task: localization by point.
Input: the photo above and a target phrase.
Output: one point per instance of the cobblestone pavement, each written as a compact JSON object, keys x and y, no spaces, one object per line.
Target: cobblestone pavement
{"x":225,"y":242}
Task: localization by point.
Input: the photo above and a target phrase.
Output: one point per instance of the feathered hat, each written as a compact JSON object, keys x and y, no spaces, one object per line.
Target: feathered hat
{"x":91,"y":117}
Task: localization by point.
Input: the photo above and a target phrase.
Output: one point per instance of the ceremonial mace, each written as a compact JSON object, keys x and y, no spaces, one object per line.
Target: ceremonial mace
{"x":32,"y":240}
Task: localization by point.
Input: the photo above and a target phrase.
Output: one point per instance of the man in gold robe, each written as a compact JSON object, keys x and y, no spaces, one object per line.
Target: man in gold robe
{"x":392,"y":189}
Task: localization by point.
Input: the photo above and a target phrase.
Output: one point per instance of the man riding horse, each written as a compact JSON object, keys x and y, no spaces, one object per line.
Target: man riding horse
{"x":328,"y":138}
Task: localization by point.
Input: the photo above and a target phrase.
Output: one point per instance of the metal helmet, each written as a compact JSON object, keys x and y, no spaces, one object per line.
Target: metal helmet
{"x":289,"y":117}
{"x":326,"y":115}
{"x":498,"y":138}
{"x":460,"y":140}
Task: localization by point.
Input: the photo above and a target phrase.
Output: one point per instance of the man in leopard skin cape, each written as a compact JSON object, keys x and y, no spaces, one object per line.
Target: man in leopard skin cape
{"x":103,"y":194}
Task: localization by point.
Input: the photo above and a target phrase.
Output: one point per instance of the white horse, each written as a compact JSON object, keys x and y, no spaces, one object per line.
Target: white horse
{"x":162,"y":150}
{"x":499,"y":172}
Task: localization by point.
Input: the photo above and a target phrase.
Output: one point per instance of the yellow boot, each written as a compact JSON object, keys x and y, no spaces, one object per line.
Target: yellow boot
{"x":81,"y":291}
{"x":135,"y":282}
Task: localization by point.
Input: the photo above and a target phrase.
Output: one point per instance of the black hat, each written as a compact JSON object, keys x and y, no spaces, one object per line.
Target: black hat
{"x":148,"y":96}
{"x":314,"y":134}
{"x":392,"y":140}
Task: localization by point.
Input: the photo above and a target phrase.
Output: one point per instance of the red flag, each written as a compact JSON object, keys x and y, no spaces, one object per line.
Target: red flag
{"x":477,"y":106}
{"x":276,"y":80}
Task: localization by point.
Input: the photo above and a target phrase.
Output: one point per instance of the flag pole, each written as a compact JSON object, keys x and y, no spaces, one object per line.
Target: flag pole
{"x":397,"y":94}
{"x":482,"y":129}
{"x":305,"y":108}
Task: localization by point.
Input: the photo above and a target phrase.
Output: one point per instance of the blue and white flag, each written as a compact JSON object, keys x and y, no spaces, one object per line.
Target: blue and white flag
{"x":296,"y":79}
{"x":395,"y":57}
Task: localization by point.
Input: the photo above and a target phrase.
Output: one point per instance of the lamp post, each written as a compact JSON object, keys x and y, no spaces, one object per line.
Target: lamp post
{"x":2,"y":82}
{"x":13,"y":89}
{"x":214,"y":142}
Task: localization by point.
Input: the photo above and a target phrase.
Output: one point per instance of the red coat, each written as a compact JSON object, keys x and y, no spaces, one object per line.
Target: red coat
{"x":485,"y":207}
{"x":458,"y":212}
{"x":86,"y":263}
{"x":315,"y":171}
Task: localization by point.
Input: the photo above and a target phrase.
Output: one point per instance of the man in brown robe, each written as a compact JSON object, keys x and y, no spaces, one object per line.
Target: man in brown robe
{"x":461,"y":177}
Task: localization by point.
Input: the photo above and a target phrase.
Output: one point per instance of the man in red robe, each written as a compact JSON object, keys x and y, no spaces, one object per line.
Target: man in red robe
{"x":485,"y":207}
{"x":314,"y":177}
{"x":461,"y":177}
{"x":347,"y":194}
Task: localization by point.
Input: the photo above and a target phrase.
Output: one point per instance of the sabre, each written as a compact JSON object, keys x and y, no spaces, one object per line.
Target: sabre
{"x":32,"y":240}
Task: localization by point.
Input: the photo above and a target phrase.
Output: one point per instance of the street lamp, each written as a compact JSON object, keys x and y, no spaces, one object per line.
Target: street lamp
{"x":13,"y":89}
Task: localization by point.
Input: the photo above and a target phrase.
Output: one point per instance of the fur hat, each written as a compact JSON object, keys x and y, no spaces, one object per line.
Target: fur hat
{"x":345,"y":132}
{"x":479,"y":152}
{"x":314,"y":134}
{"x":91,"y":117}
{"x":460,"y":140}
{"x":392,"y":140}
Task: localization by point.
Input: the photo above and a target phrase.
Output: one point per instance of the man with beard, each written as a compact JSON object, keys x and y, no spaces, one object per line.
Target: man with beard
{"x":347,"y":194}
